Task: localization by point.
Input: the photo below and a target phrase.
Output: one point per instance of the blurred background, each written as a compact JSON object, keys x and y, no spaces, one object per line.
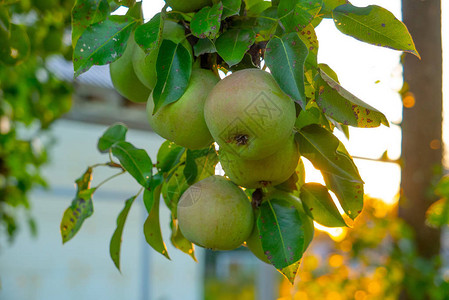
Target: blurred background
{"x":56,"y":121}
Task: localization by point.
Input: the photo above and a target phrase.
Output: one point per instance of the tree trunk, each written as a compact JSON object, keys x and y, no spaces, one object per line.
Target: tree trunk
{"x":422,"y":120}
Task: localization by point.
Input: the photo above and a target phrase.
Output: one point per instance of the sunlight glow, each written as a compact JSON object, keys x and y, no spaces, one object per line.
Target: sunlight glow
{"x":336,"y":233}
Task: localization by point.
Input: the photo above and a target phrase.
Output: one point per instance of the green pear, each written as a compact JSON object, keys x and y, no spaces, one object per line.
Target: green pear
{"x":188,"y":6}
{"x":182,"y":122}
{"x":249,"y":115}
{"x":215,"y":213}
{"x":125,"y":79}
{"x":254,"y":240}
{"x":269,"y":171}
{"x":145,"y":65}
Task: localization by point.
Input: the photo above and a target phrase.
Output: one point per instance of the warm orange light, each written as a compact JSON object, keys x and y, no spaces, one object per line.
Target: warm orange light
{"x":335,"y":260}
{"x":346,"y":246}
{"x":310,"y":262}
{"x":360,"y":295}
{"x":336,"y":233}
{"x":435,"y":144}
{"x":301,"y":296}
{"x":408,"y":100}
{"x":374,"y":287}
{"x":333,"y":296}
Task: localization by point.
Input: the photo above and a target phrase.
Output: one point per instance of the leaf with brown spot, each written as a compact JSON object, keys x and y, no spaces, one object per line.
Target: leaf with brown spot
{"x":86,"y":12}
{"x":374,"y":25}
{"x":344,"y":107}
{"x":80,"y":209}
{"x":102,"y":43}
{"x":206,"y":22}
{"x":318,"y":204}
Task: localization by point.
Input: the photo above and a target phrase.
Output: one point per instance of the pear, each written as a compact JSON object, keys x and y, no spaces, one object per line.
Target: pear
{"x":215,"y":213}
{"x":254,"y":242}
{"x":249,"y":115}
{"x":125,"y":79}
{"x":145,"y":65}
{"x":182,"y":122}
{"x":265,"y":172}
{"x":188,"y":6}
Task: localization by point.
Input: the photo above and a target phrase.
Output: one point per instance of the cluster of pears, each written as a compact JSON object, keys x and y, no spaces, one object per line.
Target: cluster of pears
{"x":251,"y":121}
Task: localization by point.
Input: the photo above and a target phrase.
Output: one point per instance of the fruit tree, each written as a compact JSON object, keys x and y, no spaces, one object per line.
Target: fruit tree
{"x":234,"y":83}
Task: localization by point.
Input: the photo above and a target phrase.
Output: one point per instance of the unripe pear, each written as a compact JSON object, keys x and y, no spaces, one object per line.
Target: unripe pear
{"x":269,"y":171}
{"x":215,"y":213}
{"x":125,"y":79}
{"x":145,"y":65}
{"x":187,"y":5}
{"x":249,"y":115}
{"x":254,"y":242}
{"x":182,"y":122}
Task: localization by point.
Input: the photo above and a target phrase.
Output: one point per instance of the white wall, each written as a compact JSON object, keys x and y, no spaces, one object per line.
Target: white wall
{"x":44,"y":269}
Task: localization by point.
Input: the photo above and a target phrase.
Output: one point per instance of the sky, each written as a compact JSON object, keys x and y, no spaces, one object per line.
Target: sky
{"x":373,"y":74}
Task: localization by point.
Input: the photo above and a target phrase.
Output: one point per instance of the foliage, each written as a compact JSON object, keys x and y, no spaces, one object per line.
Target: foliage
{"x":228,"y":36}
{"x":377,"y":259}
{"x":31,"y":98}
{"x":438,"y":213}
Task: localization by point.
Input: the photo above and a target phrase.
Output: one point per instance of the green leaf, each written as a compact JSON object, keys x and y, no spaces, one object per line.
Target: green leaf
{"x":127,"y":3}
{"x":438,"y":213}
{"x":113,"y":134}
{"x":116,"y":240}
{"x":135,"y":161}
{"x":290,"y":271}
{"x":344,"y":107}
{"x":200,"y":164}
{"x":152,"y":228}
{"x":168,"y":156}
{"x":297,"y":14}
{"x":442,"y":187}
{"x":173,"y":67}
{"x":311,"y":115}
{"x":257,"y":9}
{"x":102,"y":43}
{"x":204,"y":46}
{"x":294,"y":183}
{"x":173,"y":189}
{"x":245,"y":63}
{"x":285,"y":57}
{"x":135,"y":9}
{"x":321,"y":147}
{"x":80,"y":209}
{"x":329,"y":6}
{"x":310,"y":39}
{"x":8,"y":2}
{"x":319,"y":205}
{"x":231,"y":8}
{"x":267,"y":24}
{"x":15,"y":45}
{"x":206,"y":22}
{"x":233,"y":44}
{"x":282,"y":233}
{"x":179,"y":241}
{"x":86,"y":12}
{"x":148,"y":35}
{"x":5,"y":24}
{"x":329,"y":72}
{"x":349,"y":193}
{"x":374,"y":25}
